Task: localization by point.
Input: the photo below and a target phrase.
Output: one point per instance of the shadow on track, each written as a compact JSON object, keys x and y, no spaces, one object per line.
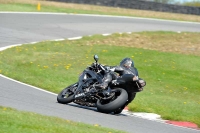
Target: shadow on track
{"x":92,"y":109}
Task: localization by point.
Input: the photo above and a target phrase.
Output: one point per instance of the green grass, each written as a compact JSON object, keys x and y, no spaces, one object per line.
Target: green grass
{"x":27,"y":122}
{"x":33,"y":8}
{"x":173,"y":86}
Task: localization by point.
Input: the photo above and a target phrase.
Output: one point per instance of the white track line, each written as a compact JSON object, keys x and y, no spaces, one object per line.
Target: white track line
{"x":27,"y":85}
{"x":75,"y":38}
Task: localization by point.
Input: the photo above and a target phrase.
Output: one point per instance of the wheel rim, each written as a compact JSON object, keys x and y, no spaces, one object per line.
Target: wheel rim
{"x":66,"y":94}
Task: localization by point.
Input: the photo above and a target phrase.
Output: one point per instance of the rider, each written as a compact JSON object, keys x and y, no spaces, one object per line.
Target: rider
{"x":126,"y":67}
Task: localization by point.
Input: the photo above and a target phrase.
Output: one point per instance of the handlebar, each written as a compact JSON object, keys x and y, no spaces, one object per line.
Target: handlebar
{"x":97,"y":67}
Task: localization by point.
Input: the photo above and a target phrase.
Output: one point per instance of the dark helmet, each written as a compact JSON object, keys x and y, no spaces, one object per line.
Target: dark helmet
{"x":127,"y":62}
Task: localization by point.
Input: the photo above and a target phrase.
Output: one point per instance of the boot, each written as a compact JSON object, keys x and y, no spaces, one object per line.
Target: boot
{"x":103,"y":86}
{"x":106,"y":80}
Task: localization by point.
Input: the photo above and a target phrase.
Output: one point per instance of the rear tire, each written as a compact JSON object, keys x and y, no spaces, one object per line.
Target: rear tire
{"x":121,"y":98}
{"x":66,"y":95}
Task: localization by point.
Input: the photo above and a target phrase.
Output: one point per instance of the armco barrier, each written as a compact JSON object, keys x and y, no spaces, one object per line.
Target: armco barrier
{"x":139,"y":4}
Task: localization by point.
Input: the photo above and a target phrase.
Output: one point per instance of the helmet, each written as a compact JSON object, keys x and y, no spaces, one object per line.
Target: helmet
{"x":127,"y":62}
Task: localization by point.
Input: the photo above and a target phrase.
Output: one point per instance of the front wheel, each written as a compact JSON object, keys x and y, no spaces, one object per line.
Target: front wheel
{"x":67,"y":94}
{"x":119,"y":110}
{"x":131,"y":97}
{"x":119,"y":99}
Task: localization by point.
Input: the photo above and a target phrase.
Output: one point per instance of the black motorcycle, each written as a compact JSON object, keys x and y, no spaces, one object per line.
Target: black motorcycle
{"x":112,"y":100}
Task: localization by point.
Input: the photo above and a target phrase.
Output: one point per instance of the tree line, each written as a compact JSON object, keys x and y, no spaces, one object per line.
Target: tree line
{"x":195,"y":3}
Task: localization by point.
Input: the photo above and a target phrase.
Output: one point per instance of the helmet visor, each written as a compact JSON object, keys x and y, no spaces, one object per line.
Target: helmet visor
{"x":128,"y":64}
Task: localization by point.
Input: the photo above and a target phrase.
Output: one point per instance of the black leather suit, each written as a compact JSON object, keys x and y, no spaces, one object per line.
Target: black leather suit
{"x":111,"y":75}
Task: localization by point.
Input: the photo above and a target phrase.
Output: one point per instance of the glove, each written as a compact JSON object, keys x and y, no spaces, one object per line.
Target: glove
{"x":142,"y":82}
{"x":114,"y":82}
{"x":107,"y":68}
{"x":93,"y":65}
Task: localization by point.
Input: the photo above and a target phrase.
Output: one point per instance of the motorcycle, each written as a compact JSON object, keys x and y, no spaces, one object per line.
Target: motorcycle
{"x":112,"y":100}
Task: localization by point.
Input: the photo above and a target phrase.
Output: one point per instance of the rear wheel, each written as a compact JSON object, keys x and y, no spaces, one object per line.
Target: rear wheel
{"x":67,"y":94}
{"x":117,"y":101}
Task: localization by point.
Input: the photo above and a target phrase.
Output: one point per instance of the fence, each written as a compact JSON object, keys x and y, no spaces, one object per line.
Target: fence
{"x":139,"y":4}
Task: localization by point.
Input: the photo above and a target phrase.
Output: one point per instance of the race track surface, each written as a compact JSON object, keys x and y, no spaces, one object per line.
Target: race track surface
{"x":18,"y":28}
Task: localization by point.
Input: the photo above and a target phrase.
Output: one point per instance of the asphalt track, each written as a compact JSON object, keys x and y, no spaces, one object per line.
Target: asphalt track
{"x":17,"y":28}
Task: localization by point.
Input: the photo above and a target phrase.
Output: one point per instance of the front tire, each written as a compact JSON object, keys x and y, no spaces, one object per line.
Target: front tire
{"x":120,"y":98}
{"x":66,"y":95}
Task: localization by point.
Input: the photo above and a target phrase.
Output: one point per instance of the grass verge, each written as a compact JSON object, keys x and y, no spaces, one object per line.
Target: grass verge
{"x":46,"y":6}
{"x":27,"y":122}
{"x":173,"y":86}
